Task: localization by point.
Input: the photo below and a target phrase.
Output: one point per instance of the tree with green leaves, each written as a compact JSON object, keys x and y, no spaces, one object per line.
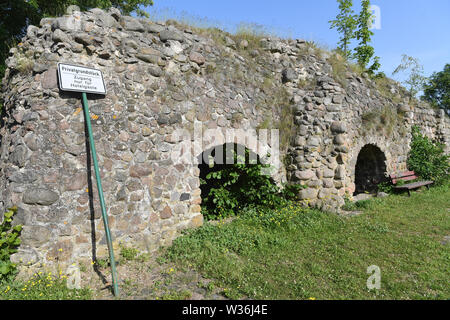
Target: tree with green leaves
{"x":345,"y":24}
{"x":17,"y":15}
{"x":437,"y":89}
{"x":427,"y":158}
{"x":414,"y":70}
{"x":364,"y":51}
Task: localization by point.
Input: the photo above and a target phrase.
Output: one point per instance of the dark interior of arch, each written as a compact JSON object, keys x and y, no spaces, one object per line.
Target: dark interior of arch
{"x":370,"y":169}
{"x":217,"y":158}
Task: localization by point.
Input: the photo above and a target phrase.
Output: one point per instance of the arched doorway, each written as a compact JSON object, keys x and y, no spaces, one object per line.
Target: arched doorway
{"x":230,"y":175}
{"x":370,"y":169}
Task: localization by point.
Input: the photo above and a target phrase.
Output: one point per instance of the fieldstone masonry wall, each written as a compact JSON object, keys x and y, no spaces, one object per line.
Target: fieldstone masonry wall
{"x":163,"y":77}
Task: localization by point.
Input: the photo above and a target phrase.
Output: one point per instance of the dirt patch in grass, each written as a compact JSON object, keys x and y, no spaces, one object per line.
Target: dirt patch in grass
{"x":150,"y":277}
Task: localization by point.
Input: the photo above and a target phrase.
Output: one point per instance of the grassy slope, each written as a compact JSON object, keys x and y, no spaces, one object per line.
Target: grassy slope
{"x":297,"y":254}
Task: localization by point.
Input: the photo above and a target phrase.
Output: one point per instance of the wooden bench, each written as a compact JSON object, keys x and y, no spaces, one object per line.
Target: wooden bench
{"x":407,"y":176}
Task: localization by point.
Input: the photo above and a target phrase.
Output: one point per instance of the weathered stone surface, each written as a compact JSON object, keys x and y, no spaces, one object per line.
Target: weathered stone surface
{"x":151,"y":58}
{"x":84,"y":39}
{"x":60,"y":36}
{"x":446,"y":240}
{"x":338,"y":127}
{"x":339,"y":139}
{"x":154,"y":28}
{"x":289,"y":75}
{"x":166,"y":35}
{"x":166,"y":213}
{"x":131,"y":24}
{"x":382,"y":195}
{"x":328,"y":173}
{"x":71,"y":23}
{"x":197,"y":221}
{"x":185,"y":196}
{"x":340,"y":172}
{"x":61,"y":251}
{"x":313,"y":142}
{"x":338,"y":99}
{"x":362,"y":196}
{"x":76,"y":182}
{"x":304,"y":175}
{"x":39,"y":67}
{"x":404,"y":108}
{"x":35,"y":236}
{"x":197,"y":58}
{"x":19,"y":156}
{"x":22,"y":217}
{"x":25,"y":256}
{"x":40,"y":196}
{"x":325,"y":193}
{"x":243,"y":44}
{"x":309,"y":193}
{"x":300,"y":141}
{"x":230,"y":42}
{"x":155,"y":71}
{"x":121,"y":195}
{"x":138,"y":171}
{"x":50,"y":79}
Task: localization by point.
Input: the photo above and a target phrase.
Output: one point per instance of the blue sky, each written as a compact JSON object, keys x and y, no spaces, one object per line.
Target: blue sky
{"x":418,"y":28}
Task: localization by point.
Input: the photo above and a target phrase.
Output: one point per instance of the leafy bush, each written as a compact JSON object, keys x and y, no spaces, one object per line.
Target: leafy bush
{"x":357,"y":205}
{"x":427,"y":158}
{"x":290,"y":191}
{"x":363,"y":204}
{"x":128,"y":254}
{"x":229,"y":188}
{"x":386,"y":187}
{"x":9,"y":242}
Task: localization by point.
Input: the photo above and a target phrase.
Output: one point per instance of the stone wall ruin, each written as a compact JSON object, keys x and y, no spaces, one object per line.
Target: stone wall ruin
{"x":162,"y":77}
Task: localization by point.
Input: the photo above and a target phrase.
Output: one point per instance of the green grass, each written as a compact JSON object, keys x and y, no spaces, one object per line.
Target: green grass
{"x":128,"y":254}
{"x":339,"y":68}
{"x":42,"y":286}
{"x":296,"y":253}
{"x":384,"y":120}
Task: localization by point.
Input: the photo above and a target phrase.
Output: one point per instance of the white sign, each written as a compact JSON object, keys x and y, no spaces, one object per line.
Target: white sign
{"x":80,"y":79}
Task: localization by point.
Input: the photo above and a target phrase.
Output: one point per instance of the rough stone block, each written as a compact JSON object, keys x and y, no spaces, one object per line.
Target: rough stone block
{"x":196,"y":221}
{"x":309,"y":193}
{"x":40,"y":196}
{"x":305,"y":175}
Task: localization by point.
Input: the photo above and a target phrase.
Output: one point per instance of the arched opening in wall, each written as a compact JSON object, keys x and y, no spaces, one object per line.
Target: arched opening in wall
{"x":370,"y":169}
{"x":231,"y":177}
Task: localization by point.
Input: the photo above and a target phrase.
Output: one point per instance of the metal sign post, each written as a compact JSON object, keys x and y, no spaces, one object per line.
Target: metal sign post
{"x":81,"y":79}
